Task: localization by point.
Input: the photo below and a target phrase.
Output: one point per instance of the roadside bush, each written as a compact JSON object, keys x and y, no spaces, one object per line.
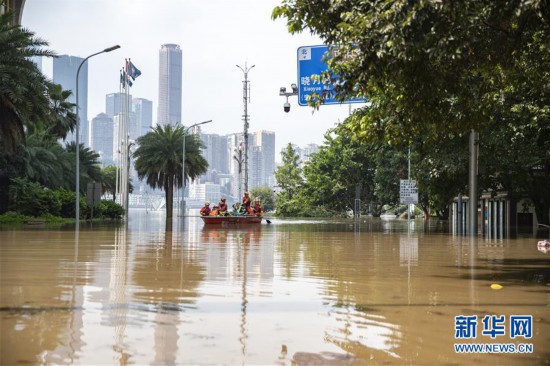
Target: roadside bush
{"x":11,"y":217}
{"x":68,"y":209}
{"x":109,"y":209}
{"x":29,"y":198}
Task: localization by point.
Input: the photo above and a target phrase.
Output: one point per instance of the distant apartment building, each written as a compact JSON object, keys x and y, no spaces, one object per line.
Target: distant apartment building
{"x":265,"y":167}
{"x":170,"y":85}
{"x":307,"y":151}
{"x":215,"y":152}
{"x":143,"y":109}
{"x":257,"y":168}
{"x":65,"y":68}
{"x":205,"y":192}
{"x":102,"y":137}
{"x":133,"y":133}
{"x":114,"y":103}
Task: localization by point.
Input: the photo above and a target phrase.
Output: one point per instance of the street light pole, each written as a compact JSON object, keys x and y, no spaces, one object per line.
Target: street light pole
{"x":245,"y":102}
{"x":183,"y":165}
{"x":77,"y":140}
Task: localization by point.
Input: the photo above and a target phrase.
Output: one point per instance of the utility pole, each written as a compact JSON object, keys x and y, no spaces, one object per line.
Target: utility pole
{"x":474,"y":149}
{"x":246,"y":100}
{"x":239,"y":159}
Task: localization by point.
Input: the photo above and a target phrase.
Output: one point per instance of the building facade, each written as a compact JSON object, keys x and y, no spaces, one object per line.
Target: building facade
{"x":143,"y":109}
{"x":102,"y":137}
{"x":215,"y":152}
{"x":265,"y":140}
{"x":65,"y":68}
{"x":170,"y":85}
{"x":114,"y":103}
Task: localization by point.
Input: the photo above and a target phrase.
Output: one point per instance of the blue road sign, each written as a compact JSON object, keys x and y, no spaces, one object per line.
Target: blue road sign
{"x":310,"y":67}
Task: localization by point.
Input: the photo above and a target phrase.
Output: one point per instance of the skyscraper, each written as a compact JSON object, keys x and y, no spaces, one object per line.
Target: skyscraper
{"x":143,"y":109}
{"x":170,"y":80}
{"x":114,"y":103}
{"x":215,"y":152}
{"x":102,"y":136}
{"x":65,"y":68}
{"x":266,"y":166}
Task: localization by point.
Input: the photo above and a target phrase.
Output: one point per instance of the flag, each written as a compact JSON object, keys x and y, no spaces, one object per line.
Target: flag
{"x":122,"y":78}
{"x":133,"y":71}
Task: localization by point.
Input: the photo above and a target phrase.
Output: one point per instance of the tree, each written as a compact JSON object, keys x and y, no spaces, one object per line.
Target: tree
{"x":266,"y":196}
{"x":434,"y":70}
{"x":428,"y":68}
{"x":108,"y":180}
{"x":159,"y":160}
{"x":23,"y":88}
{"x":333,"y":174}
{"x":289,"y":179}
{"x":61,"y":119}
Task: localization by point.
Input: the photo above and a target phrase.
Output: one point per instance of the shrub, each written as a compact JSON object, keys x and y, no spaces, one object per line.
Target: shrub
{"x":109,"y":209}
{"x":29,"y":198}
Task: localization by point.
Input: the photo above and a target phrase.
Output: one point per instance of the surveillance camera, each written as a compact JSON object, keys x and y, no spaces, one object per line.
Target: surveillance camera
{"x":282,"y":90}
{"x":286,"y":107}
{"x":294,"y":88}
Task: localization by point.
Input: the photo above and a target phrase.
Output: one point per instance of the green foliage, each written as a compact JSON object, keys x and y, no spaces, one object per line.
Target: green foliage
{"x":289,"y":175}
{"x":289,"y":179}
{"x":110,"y":209}
{"x":433,"y":71}
{"x":67,"y":200}
{"x":29,"y":198}
{"x":159,"y":159}
{"x":428,"y":68}
{"x":108,"y":180}
{"x":23,"y":88}
{"x":266,"y":196}
{"x":12,"y":217}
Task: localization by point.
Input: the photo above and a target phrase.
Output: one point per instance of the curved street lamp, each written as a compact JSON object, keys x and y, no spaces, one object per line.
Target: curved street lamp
{"x":183,"y":165}
{"x":77,"y":203}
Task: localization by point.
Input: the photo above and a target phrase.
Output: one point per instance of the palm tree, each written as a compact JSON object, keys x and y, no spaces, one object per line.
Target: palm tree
{"x":90,"y":170}
{"x":61,"y":118}
{"x":43,"y":157}
{"x":159,"y":160}
{"x":108,"y":181}
{"x":23,"y":88}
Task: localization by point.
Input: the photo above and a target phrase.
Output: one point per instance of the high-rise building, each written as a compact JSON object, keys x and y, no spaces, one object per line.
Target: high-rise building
{"x":102,"y":136}
{"x":114,"y":103}
{"x":38,"y":62}
{"x":133,"y":133}
{"x":307,"y":151}
{"x":65,"y":68}
{"x":143,"y":109}
{"x":266,"y":166}
{"x":170,"y":80}
{"x":215,"y":153}
{"x":257,"y":168}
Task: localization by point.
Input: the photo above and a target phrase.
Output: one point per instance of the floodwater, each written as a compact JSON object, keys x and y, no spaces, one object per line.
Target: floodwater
{"x":288,"y":293}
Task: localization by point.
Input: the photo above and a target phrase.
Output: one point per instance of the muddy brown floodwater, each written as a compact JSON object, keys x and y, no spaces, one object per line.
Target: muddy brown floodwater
{"x":290,"y":293}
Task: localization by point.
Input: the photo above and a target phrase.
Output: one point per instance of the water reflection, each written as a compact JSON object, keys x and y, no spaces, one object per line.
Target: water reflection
{"x":293,"y":292}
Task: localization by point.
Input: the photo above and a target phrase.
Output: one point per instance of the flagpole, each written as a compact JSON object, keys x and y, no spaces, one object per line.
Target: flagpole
{"x":117,"y":152}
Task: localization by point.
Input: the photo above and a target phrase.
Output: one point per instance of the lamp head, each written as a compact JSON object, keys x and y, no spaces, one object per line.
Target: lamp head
{"x":111,"y":48}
